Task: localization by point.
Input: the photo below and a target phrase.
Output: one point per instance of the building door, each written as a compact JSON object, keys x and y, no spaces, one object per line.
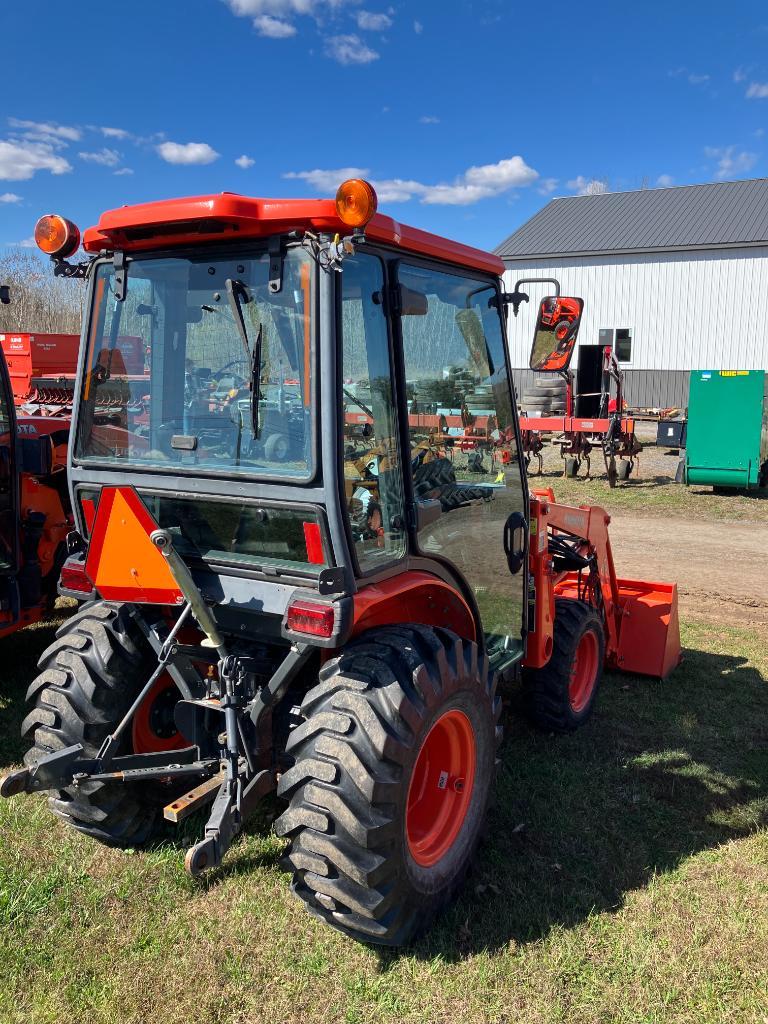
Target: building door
{"x":9,"y":506}
{"x":466,"y":470}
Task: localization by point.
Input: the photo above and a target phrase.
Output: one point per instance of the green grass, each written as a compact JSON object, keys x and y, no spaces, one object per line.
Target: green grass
{"x":625,"y":879}
{"x":656,"y":496}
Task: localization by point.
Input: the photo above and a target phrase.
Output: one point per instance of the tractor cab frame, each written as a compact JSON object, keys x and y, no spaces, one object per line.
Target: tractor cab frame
{"x":301,"y":500}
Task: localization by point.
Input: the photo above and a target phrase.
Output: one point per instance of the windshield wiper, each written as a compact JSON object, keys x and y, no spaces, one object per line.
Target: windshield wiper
{"x":237,"y":293}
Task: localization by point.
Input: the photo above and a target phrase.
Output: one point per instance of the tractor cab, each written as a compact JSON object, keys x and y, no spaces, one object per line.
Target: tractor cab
{"x":279,"y":400}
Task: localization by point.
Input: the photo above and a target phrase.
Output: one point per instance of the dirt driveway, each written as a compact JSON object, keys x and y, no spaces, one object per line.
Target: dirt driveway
{"x":721,"y":568}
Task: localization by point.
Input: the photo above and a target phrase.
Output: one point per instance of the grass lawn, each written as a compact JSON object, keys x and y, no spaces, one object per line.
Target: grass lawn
{"x":652,"y":495}
{"x":625,"y":879}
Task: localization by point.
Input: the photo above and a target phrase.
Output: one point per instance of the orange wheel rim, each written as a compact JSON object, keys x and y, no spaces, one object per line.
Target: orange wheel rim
{"x":153,"y":726}
{"x":440,"y":791}
{"x":584,"y":672}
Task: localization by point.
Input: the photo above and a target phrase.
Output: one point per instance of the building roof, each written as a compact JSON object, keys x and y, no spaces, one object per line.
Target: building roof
{"x":718,"y":215}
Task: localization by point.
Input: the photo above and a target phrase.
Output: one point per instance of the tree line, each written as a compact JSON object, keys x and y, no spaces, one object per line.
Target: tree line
{"x":40,"y":303}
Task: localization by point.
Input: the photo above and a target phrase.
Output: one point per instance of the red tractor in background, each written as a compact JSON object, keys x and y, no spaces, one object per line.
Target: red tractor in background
{"x":298,"y":592}
{"x":35,"y":508}
{"x":560,"y":314}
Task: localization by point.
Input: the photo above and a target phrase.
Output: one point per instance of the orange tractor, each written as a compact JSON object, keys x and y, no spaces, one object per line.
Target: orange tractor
{"x":35,"y":511}
{"x":298,"y":593}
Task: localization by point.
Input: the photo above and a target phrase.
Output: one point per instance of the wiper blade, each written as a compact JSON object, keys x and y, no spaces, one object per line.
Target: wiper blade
{"x":256,"y":383}
{"x":237,"y":294}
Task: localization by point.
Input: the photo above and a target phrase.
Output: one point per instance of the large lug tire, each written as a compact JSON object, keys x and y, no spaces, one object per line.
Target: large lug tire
{"x":552,"y":381}
{"x":393,"y":771}
{"x":561,"y":695}
{"x":89,"y":678}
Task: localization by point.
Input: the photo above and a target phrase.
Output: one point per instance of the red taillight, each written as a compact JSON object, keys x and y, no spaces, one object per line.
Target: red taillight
{"x":312,"y":619}
{"x":73,"y":577}
{"x":88,"y":505}
{"x":314,"y":541}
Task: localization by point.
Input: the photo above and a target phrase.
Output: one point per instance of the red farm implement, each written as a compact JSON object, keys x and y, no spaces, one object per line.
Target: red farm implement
{"x":37,"y":374}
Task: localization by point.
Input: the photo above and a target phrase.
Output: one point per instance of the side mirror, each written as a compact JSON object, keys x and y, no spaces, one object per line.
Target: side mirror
{"x":556,"y":330}
{"x":412,"y":303}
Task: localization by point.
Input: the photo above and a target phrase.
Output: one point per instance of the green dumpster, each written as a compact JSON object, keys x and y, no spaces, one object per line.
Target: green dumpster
{"x":727,"y":444}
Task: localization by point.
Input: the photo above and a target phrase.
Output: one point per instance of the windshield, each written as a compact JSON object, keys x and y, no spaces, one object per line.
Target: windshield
{"x":175,"y":379}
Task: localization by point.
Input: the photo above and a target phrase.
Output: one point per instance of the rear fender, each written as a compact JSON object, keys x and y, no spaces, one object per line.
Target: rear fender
{"x":413,"y":597}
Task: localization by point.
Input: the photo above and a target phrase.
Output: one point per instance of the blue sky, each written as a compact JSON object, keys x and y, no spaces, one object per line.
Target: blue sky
{"x":468,"y":116}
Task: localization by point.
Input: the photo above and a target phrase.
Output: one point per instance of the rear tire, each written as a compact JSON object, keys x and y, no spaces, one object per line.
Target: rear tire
{"x":90,"y":677}
{"x":561,"y":695}
{"x":368,"y":856}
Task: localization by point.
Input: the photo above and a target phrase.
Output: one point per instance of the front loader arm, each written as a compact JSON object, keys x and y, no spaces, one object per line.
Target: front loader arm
{"x":640,"y":619}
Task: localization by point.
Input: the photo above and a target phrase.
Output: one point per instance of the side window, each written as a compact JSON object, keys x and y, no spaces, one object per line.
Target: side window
{"x":463,"y":451}
{"x":623,"y":347}
{"x":372,"y":474}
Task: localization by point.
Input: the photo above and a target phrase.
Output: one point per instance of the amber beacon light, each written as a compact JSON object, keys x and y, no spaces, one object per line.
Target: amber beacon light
{"x":356,"y":202}
{"x":57,"y":236}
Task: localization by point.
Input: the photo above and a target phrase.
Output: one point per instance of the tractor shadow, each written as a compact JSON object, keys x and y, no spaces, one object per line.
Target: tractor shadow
{"x":662,"y":771}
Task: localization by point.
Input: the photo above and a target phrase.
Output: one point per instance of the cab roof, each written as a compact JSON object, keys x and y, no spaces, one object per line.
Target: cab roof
{"x":227,"y":216}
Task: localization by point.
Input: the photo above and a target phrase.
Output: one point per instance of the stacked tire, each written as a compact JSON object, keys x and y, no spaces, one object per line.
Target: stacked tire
{"x":546,"y":397}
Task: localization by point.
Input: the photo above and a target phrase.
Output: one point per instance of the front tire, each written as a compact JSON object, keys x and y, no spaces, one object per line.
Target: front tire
{"x":390,"y":787}
{"x":561,"y":695}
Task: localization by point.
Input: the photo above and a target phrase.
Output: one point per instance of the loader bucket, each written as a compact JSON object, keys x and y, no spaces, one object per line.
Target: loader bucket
{"x":649,"y":638}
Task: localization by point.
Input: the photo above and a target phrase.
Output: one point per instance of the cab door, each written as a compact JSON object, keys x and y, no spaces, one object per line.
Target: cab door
{"x":9,"y":504}
{"x":467,"y":478}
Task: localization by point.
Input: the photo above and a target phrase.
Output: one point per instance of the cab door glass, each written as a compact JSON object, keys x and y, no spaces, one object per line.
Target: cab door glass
{"x":372,"y":474}
{"x":463,"y":450}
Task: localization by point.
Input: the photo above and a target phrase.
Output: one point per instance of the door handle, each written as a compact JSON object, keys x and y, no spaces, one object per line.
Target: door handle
{"x":515,"y":530}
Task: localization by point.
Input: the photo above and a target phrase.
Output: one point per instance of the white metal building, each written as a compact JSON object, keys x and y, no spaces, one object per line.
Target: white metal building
{"x":675,"y":279}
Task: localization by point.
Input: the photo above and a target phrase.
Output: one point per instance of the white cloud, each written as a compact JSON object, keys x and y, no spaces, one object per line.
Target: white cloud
{"x":274,"y":18}
{"x":588,"y":186}
{"x":187,"y":153}
{"x":9,"y":197}
{"x":739,"y":75}
{"x":757,"y":91}
{"x":476,"y":183}
{"x":19,"y":161}
{"x":115,"y":133}
{"x":731,"y":162}
{"x":273,"y":28}
{"x":349,"y":49}
{"x":105,"y":157}
{"x":547,"y":186}
{"x":46,"y":131}
{"x":123,"y":171}
{"x":665,"y":181}
{"x":245,"y":162}
{"x":26,"y":243}
{"x":429,"y":120}
{"x":418,"y":28}
{"x":327,"y":181}
{"x":368,"y":21}
{"x":697,"y":79}
{"x":281,"y":8}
